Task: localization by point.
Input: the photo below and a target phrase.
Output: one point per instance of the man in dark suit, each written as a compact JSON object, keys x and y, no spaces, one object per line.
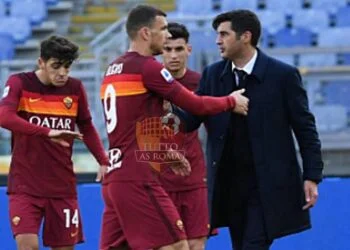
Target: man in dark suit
{"x":256,"y":186}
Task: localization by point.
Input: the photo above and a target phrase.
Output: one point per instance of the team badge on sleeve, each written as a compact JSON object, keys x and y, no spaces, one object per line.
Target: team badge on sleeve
{"x":6,"y":91}
{"x":166,"y":75}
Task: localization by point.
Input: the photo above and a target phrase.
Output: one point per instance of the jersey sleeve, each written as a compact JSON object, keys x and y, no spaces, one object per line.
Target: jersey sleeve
{"x":159,"y":80}
{"x":12,"y":91}
{"x":9,"y":119}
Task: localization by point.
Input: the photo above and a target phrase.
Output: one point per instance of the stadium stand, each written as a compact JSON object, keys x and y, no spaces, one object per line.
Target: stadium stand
{"x":286,"y":6}
{"x":292,"y":37}
{"x":24,"y":8}
{"x":342,"y":17}
{"x":7,"y":47}
{"x":330,"y":5}
{"x":344,"y":59}
{"x":272,"y":20}
{"x":191,"y":7}
{"x":315,"y":20}
{"x":227,"y":5}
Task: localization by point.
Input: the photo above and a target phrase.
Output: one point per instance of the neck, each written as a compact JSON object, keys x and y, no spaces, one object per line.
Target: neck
{"x":178,"y":74}
{"x":42,"y":78}
{"x":140,"y":48}
{"x":241,"y":60}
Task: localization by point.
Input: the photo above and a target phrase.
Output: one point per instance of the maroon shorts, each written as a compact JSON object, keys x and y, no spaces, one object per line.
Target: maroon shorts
{"x":62,"y":222}
{"x":139,"y":214}
{"x":193,"y":208}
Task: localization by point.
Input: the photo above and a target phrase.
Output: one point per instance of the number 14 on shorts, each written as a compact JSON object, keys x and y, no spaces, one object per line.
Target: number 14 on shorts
{"x":71,"y":218}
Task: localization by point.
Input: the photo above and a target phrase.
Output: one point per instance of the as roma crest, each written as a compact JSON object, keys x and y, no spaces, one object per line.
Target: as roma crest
{"x":68,"y":102}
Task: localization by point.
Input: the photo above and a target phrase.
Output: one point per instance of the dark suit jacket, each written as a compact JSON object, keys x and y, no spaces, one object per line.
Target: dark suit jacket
{"x":278,"y":105}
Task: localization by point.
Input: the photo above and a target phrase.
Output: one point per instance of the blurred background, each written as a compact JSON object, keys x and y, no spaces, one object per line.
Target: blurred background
{"x":313,"y":35}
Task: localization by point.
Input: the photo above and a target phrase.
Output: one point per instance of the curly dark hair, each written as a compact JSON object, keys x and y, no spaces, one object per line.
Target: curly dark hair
{"x":60,"y":48}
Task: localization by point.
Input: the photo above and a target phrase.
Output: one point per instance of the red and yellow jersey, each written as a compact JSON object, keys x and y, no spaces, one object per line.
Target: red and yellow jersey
{"x":132,"y":94}
{"x":39,"y":166}
{"x":192,"y":149}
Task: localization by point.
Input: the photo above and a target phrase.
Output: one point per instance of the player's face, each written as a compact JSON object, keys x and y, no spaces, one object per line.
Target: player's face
{"x":175,"y":54}
{"x":230,"y":44}
{"x":55,"y":71}
{"x":159,"y":35}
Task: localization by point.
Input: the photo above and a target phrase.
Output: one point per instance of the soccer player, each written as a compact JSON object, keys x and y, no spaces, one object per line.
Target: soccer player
{"x":41,"y":109}
{"x":138,"y":212}
{"x":189,"y":194}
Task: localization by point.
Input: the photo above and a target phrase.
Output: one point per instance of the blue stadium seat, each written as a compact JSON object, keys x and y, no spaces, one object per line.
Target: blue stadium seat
{"x":7,"y":48}
{"x":293,"y":37}
{"x":20,"y":28}
{"x":203,"y":40}
{"x":195,"y":7}
{"x":227,"y":5}
{"x":317,"y":60}
{"x":327,"y":5}
{"x":342,"y":17}
{"x":286,"y":6}
{"x":51,"y":2}
{"x":2,"y":9}
{"x":345,"y":58}
{"x":330,"y":118}
{"x":315,"y":20}
{"x":337,"y":92}
{"x":34,"y":10}
{"x":265,"y":38}
{"x":272,"y":20}
{"x":288,"y":59}
{"x":334,"y":37}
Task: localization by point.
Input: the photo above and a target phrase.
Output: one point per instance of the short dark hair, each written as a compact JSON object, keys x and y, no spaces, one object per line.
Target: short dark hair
{"x":241,"y":21}
{"x":60,"y":48}
{"x":141,"y":16}
{"x":178,"y":30}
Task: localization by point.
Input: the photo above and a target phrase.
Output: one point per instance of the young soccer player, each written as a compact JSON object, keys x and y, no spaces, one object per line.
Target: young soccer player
{"x":41,"y":109}
{"x":189,"y":194}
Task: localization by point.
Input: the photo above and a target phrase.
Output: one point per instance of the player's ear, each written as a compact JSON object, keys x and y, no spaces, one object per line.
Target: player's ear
{"x":41,"y":63}
{"x":246,"y":36}
{"x":145,"y":33}
{"x":189,"y":49}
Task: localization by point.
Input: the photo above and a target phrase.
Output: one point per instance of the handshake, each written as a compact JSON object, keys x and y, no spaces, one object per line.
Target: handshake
{"x":242,"y":102}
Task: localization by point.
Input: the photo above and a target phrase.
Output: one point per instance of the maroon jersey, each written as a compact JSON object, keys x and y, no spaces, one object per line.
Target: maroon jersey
{"x":132,"y":95}
{"x":40,"y":167}
{"x":192,"y":149}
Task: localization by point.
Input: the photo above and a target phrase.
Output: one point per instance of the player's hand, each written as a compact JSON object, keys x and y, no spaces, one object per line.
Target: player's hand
{"x":101,"y":173}
{"x":180,"y":165}
{"x":167,"y":106}
{"x":311,"y":194}
{"x":63,"y":136}
{"x":242,"y":102}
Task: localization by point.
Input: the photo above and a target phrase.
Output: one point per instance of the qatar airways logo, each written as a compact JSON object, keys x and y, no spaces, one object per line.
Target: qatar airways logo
{"x":52,"y":122}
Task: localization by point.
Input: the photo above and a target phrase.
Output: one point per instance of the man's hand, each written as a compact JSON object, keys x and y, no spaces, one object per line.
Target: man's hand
{"x":101,"y":173}
{"x":63,"y":136}
{"x":311,"y":194}
{"x":242,"y":102}
{"x":167,"y":106}
{"x":180,"y":164}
